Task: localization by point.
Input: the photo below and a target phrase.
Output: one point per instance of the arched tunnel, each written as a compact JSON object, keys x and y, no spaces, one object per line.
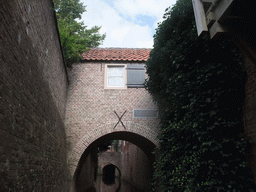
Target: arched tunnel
{"x":134,"y":172}
{"x":109,"y":174}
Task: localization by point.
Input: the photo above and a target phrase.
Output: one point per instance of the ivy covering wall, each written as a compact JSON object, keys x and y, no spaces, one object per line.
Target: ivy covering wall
{"x":198,"y":85}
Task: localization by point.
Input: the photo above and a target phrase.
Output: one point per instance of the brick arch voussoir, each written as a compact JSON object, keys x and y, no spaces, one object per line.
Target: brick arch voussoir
{"x":95,"y":134}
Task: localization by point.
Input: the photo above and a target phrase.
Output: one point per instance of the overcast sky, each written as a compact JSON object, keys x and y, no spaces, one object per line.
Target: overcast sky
{"x":127,"y":23}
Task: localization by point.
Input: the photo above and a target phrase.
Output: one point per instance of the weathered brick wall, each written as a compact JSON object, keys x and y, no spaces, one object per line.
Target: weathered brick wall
{"x":136,"y":168}
{"x":32,"y":98}
{"x":85,"y":181}
{"x":35,"y":20}
{"x":249,"y":109}
{"x":107,"y":158}
{"x":90,"y":109}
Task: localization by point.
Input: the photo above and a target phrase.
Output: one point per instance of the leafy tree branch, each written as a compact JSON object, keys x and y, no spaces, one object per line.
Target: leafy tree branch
{"x":75,"y":37}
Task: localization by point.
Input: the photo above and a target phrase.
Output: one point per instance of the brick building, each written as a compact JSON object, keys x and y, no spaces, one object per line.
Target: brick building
{"x":107,"y":101}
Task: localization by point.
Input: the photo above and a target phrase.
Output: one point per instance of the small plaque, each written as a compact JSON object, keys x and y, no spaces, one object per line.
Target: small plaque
{"x":145,"y":113}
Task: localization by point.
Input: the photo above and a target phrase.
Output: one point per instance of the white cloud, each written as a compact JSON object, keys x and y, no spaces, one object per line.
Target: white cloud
{"x":119,"y":31}
{"x":153,"y":8}
{"x":99,"y":13}
{"x":132,"y":8}
{"x":129,"y":35}
{"x":118,"y":34}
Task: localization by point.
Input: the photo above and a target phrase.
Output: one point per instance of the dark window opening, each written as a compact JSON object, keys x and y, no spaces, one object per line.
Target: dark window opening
{"x":108,"y":174}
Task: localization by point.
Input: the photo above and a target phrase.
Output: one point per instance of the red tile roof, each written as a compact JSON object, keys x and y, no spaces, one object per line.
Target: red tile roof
{"x":116,"y":54}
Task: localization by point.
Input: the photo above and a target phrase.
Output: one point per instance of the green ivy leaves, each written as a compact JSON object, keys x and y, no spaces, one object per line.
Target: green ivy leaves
{"x":198,"y":85}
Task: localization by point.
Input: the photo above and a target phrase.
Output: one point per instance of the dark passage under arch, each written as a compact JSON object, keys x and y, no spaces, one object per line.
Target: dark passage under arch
{"x":108,"y":176}
{"x":143,"y":143}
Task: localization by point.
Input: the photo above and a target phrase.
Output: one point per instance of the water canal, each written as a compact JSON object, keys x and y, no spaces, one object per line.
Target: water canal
{"x":119,"y":185}
{"x":123,"y":169}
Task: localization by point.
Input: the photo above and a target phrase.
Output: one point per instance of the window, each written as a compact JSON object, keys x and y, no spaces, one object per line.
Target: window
{"x":135,"y":76}
{"x":121,"y":76}
{"x":145,"y":113}
{"x":115,"y":77}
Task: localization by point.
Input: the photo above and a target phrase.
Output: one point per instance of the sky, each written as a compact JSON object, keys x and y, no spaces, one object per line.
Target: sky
{"x":127,"y":23}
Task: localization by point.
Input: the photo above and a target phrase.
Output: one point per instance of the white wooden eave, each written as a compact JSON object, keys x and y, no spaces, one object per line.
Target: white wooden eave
{"x":210,"y":20}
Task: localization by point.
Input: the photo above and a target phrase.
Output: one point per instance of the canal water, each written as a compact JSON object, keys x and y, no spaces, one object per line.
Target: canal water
{"x":119,"y":185}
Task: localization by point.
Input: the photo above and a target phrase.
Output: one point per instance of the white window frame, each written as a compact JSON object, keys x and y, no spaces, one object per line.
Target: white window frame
{"x":106,"y":76}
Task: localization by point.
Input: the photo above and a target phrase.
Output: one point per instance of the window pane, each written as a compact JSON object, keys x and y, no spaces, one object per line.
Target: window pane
{"x":115,"y":71}
{"x":115,"y":77}
{"x":116,"y":82}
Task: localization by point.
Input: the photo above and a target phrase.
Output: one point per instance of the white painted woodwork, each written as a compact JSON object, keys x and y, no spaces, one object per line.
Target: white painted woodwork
{"x":211,"y":21}
{"x":199,"y":17}
{"x":207,"y":1}
{"x":216,"y":29}
{"x":220,"y":11}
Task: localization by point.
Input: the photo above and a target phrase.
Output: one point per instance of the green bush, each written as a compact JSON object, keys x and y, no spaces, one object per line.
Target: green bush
{"x":198,"y":85}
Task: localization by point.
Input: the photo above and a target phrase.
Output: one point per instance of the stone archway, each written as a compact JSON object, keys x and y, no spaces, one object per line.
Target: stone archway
{"x":140,"y":135}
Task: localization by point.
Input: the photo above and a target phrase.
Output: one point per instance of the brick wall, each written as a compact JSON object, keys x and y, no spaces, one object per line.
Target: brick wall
{"x":90,"y":111}
{"x":85,"y":181}
{"x":249,"y":110}
{"x":107,"y":158}
{"x":136,"y":167}
{"x":133,"y":164}
{"x":32,"y":98}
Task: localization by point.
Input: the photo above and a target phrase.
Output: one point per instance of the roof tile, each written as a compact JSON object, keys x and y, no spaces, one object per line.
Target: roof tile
{"x":116,"y":54}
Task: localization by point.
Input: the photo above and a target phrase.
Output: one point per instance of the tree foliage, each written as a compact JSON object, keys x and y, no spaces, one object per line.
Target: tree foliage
{"x":198,"y":85}
{"x":75,"y":37}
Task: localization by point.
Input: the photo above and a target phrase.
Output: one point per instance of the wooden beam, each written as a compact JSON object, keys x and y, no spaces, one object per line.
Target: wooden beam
{"x":210,"y":19}
{"x":220,"y":11}
{"x":216,"y":29}
{"x":207,"y":1}
{"x":199,"y":17}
